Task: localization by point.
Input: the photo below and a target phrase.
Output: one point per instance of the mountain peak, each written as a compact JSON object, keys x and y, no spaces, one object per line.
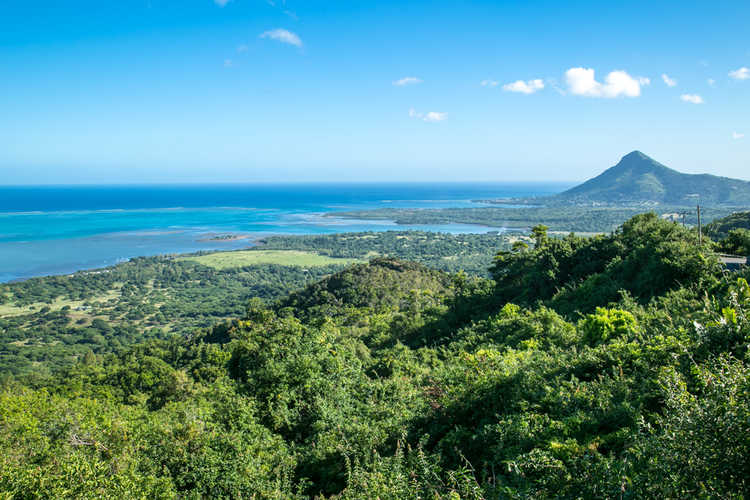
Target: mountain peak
{"x":640,"y":162}
{"x":639,"y":178}
{"x":635,"y":155}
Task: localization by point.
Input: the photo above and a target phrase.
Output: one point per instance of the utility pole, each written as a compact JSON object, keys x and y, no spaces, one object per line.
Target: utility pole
{"x":700,"y":228}
{"x":683,"y":214}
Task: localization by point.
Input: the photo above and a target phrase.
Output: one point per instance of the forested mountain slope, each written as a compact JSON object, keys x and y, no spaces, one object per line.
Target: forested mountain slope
{"x":611,"y":367}
{"x":639,"y":178}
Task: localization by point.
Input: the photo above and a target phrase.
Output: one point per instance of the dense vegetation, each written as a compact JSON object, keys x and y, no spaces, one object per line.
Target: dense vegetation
{"x":471,"y":253}
{"x":737,"y":242}
{"x":46,"y":323}
{"x":733,"y":233}
{"x":720,"y":227}
{"x":611,"y":367}
{"x":49,"y":322}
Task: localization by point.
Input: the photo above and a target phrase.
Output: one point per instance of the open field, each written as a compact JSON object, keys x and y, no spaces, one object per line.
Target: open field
{"x":242,"y":258}
{"x":11,"y":309}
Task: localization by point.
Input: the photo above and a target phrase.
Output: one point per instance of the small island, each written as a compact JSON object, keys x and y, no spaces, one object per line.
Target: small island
{"x":226,"y":237}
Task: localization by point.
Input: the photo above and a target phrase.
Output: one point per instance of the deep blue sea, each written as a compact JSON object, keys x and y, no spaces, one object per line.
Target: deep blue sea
{"x":61,"y":229}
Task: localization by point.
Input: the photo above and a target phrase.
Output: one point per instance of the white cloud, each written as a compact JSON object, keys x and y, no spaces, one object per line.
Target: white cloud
{"x":242,"y":48}
{"x":671,"y":82}
{"x":711,"y":82}
{"x":434,"y":116}
{"x":528,"y":87}
{"x":581,"y":81}
{"x":221,"y":3}
{"x":283,"y":36}
{"x":737,"y":135}
{"x":430,"y":117}
{"x":488,"y":83}
{"x":407,"y":80}
{"x":740,"y":74}
{"x":692,"y":98}
{"x":228,"y":63}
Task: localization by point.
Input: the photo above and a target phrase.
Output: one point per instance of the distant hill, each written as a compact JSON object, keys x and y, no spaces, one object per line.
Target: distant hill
{"x":638,"y":178}
{"x":380,"y":284}
{"x":720,"y":227}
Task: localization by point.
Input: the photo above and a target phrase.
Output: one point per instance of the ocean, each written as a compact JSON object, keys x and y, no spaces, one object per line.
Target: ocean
{"x":47,"y":230}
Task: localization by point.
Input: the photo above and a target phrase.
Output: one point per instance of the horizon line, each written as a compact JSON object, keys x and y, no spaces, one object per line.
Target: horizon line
{"x":282,"y":183}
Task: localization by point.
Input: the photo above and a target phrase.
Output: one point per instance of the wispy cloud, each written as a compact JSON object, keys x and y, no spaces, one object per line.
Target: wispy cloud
{"x":552,"y":82}
{"x":407,"y":80}
{"x":430,"y":116}
{"x":711,"y":82}
{"x":740,"y":74}
{"x":671,"y":82}
{"x":692,"y":98}
{"x":221,"y":3}
{"x":489,"y":83}
{"x":434,"y":116}
{"x":228,"y":63}
{"x":283,"y":36}
{"x":581,"y":81}
{"x":242,"y":48}
{"x":528,"y":87}
{"x":737,"y":135}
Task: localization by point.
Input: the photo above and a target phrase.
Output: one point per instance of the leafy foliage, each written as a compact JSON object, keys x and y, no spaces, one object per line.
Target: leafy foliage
{"x":646,"y":257}
{"x":737,"y":242}
{"x":617,"y":368}
{"x":720,"y":228}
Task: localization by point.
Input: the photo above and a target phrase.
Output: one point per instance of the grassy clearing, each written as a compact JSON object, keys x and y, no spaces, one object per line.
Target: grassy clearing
{"x":225,"y":260}
{"x":10,"y":309}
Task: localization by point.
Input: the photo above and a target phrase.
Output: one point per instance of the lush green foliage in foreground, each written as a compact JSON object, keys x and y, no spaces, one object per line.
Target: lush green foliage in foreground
{"x":392,"y":380}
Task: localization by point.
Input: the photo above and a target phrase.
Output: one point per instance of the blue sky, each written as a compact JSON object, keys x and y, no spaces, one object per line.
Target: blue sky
{"x":253,"y":90}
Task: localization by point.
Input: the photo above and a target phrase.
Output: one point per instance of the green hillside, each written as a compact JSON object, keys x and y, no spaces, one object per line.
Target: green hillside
{"x":638,"y":178}
{"x":720,"y":228}
{"x":606,"y":367}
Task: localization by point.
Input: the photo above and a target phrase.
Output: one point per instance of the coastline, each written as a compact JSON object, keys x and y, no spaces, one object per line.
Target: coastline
{"x":61,"y":230}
